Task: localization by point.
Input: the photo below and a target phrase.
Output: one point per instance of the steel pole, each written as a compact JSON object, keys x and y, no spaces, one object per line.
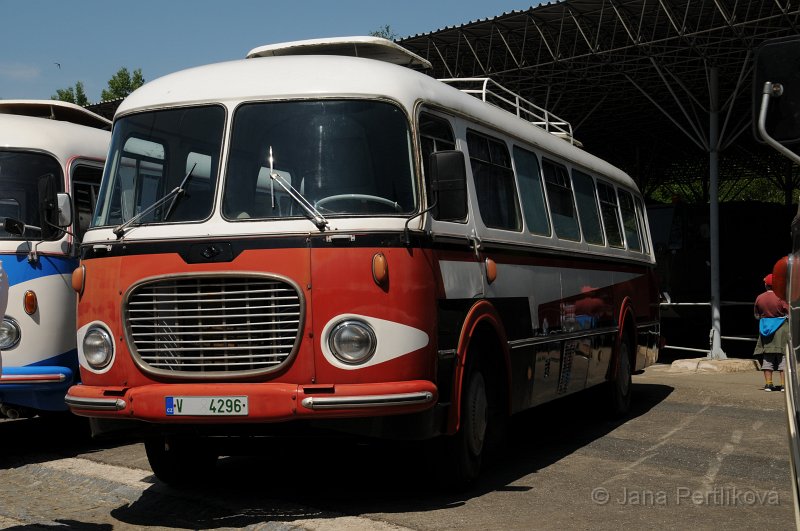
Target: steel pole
{"x":713,"y":166}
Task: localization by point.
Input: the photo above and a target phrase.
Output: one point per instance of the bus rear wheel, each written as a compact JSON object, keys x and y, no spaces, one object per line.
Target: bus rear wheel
{"x":621,"y":384}
{"x":179,"y":461}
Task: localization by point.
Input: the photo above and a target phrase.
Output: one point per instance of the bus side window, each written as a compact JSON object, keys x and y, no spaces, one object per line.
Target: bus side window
{"x":586,"y":197}
{"x":610,"y":213}
{"x":494,"y":182}
{"x":629,"y":221}
{"x":85,"y":187}
{"x":562,"y":205}
{"x":531,"y":192}
{"x":435,"y":134}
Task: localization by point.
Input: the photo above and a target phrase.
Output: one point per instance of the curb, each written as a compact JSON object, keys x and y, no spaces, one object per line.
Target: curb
{"x":709,"y":365}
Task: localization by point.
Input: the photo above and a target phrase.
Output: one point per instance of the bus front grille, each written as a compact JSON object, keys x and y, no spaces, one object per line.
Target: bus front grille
{"x":227,"y":325}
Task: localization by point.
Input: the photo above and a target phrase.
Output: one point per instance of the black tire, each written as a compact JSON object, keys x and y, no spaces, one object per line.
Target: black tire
{"x":464,"y":451}
{"x":620,"y":386}
{"x":179,"y":462}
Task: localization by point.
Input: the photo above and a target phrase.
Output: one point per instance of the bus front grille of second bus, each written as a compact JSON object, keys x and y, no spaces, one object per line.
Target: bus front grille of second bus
{"x":213,"y":325}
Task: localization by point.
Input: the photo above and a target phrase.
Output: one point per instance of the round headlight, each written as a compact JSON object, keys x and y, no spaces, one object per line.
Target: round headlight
{"x":352,"y":342}
{"x":97,"y":348}
{"x":9,"y":333}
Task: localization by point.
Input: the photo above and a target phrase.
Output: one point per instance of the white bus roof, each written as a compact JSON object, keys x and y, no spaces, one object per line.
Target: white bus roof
{"x":55,"y":110}
{"x":366,"y":47}
{"x":273,"y":77}
{"x":62,"y":139}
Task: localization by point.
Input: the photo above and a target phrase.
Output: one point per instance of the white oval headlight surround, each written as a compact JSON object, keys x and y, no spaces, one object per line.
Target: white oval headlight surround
{"x":9,"y":333}
{"x":98,"y":348}
{"x":352,"y":342}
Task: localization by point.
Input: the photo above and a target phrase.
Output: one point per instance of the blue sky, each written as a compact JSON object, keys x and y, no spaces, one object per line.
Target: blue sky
{"x":92,"y":39}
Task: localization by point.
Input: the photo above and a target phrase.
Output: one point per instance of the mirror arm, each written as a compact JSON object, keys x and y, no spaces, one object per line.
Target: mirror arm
{"x":772,"y":90}
{"x":64,"y":230}
{"x":406,"y":235}
{"x":33,"y":255}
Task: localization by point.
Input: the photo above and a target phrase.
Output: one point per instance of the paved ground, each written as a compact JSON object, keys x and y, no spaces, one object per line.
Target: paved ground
{"x":700,"y":451}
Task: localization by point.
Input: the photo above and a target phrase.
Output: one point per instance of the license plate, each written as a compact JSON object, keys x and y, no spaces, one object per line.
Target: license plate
{"x":225,"y":406}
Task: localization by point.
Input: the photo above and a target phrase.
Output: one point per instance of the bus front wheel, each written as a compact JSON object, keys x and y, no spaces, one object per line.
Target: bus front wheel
{"x":464,"y":451}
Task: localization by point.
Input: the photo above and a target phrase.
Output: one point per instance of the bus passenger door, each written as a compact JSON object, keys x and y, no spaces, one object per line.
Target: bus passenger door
{"x":456,"y":242}
{"x":456,"y":245}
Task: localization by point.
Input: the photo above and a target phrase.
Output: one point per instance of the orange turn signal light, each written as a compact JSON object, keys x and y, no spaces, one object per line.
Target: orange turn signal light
{"x":29,"y":302}
{"x":380,"y":269}
{"x":491,"y":270}
{"x":79,"y":279}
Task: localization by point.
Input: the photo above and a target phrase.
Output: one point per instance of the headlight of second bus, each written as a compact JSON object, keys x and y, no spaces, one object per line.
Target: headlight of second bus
{"x":98,"y":348}
{"x":352,"y":341}
{"x":9,"y":333}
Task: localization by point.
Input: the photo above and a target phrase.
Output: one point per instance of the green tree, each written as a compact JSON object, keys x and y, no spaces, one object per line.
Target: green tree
{"x":123,"y":83}
{"x":72,"y":94}
{"x":385,"y":32}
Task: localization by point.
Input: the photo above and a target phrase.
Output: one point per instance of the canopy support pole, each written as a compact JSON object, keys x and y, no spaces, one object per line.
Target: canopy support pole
{"x":713,"y":166}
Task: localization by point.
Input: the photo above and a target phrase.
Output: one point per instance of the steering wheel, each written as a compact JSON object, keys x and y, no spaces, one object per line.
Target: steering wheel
{"x":358,"y":197}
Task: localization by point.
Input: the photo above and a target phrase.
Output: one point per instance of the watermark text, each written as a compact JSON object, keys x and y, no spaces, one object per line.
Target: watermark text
{"x":717,"y":496}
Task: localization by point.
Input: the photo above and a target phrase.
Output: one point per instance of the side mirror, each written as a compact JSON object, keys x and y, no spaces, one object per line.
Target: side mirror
{"x":780,"y":278}
{"x":14,"y":226}
{"x":48,"y":206}
{"x":64,"y":210}
{"x":449,"y":185}
{"x":777,"y":62}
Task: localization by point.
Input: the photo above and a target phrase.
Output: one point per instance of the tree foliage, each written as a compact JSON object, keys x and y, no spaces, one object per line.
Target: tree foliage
{"x":123,"y":83}
{"x":385,"y":32}
{"x":74,"y":94}
{"x":119,"y":86}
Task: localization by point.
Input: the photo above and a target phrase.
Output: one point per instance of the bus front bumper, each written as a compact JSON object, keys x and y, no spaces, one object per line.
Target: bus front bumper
{"x":36,"y":386}
{"x":266,"y":402}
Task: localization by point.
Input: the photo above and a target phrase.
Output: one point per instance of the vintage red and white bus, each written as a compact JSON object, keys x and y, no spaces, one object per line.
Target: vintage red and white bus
{"x":320,"y":235}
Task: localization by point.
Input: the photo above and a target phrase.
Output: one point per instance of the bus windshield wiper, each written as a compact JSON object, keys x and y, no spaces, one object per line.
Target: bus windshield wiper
{"x":313,"y":214}
{"x":119,"y":230}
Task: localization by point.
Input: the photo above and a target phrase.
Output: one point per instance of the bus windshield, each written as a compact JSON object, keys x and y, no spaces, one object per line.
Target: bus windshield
{"x":346,"y":157}
{"x":20,"y":173}
{"x":151,"y":154}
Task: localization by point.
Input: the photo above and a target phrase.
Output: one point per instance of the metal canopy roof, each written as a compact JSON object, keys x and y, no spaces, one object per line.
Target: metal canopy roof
{"x":632,"y":76}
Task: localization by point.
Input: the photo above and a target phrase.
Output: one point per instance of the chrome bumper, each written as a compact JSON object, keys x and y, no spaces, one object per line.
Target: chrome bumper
{"x":96,"y":404}
{"x":366,"y":401}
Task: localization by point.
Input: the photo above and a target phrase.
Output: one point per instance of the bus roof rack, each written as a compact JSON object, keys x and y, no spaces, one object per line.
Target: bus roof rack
{"x":489,"y":91}
{"x":55,"y":110}
{"x":368,"y":47}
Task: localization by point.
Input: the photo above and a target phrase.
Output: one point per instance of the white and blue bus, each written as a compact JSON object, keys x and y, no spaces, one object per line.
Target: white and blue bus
{"x":51,"y":161}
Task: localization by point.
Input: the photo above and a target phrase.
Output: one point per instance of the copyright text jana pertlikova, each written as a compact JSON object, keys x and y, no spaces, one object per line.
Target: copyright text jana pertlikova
{"x":718,"y":496}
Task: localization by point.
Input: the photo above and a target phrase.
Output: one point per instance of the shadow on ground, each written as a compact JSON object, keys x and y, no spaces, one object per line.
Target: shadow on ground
{"x":64,"y":525}
{"x":43,"y":438}
{"x":320,"y":478}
